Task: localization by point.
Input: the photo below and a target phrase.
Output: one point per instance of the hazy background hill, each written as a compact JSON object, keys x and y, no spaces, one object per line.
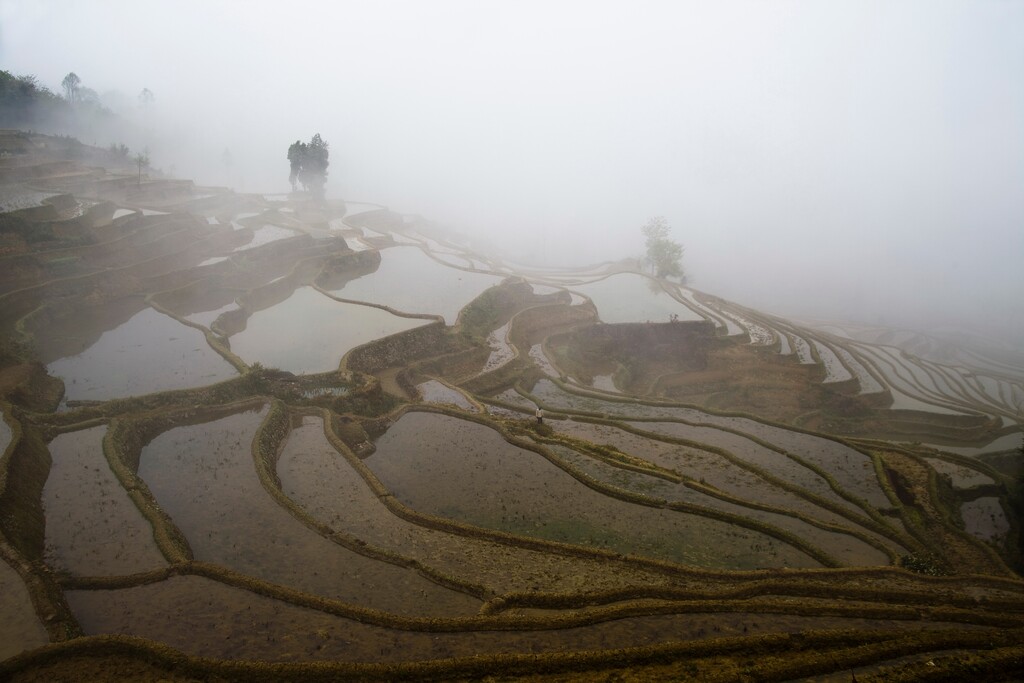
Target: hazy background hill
{"x":846,"y":160}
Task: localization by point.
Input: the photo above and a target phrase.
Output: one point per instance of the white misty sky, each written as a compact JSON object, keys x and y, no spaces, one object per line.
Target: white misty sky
{"x":858,"y":160}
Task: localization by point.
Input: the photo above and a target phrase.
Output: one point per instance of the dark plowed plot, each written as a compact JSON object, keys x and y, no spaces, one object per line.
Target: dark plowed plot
{"x":765,"y":459}
{"x":466,"y":471}
{"x":326,"y":486}
{"x":205,"y":618}
{"x":697,"y":464}
{"x":845,"y":548}
{"x":92,"y":527}
{"x":204,"y":477}
{"x":20,"y":628}
{"x":852,"y":469}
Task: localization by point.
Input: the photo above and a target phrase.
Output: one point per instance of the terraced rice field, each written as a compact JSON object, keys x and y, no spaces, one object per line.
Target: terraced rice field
{"x":217,"y":457}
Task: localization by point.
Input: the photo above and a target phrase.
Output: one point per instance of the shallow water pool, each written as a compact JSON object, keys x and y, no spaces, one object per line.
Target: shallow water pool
{"x":310,"y":332}
{"x":148,"y":353}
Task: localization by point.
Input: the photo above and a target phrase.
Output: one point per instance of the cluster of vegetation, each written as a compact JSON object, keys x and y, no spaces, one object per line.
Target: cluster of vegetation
{"x":923,"y":563}
{"x":664,"y":255}
{"x":23,"y":100}
{"x":309,"y":162}
{"x":25,"y":103}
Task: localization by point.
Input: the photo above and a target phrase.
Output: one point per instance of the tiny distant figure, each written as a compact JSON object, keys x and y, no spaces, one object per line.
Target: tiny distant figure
{"x":540,"y":416}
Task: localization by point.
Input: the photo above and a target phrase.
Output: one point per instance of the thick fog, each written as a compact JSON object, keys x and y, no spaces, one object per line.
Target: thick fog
{"x":859,"y":161}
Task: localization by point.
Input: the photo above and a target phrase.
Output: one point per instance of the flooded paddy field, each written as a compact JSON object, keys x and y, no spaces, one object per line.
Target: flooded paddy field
{"x":852,"y":469}
{"x":309,"y":332}
{"x":265,"y":235}
{"x":962,"y":477}
{"x":204,"y":618}
{"x":150,"y":352}
{"x":203,"y":476}
{"x":907,"y":393}
{"x":20,"y":628}
{"x":803,"y":350}
{"x":633,"y":298}
{"x":699,"y":465}
{"x":835,"y":371}
{"x":846,"y":548}
{"x":326,"y":486}
{"x":557,"y":398}
{"x":605,"y":383}
{"x":206,"y":318}
{"x":868,"y":384}
{"x":753,"y":453}
{"x":92,"y":527}
{"x":501,"y":350}
{"x":436,"y":392}
{"x":541,"y":359}
{"x":1007,"y":442}
{"x":212,"y":261}
{"x":785,"y":347}
{"x":464,"y":471}
{"x":199,"y":304}
{"x":6,"y":434}
{"x":985,"y":518}
{"x":397,"y":283}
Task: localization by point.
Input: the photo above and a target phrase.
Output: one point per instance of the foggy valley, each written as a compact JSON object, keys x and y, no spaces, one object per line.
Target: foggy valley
{"x":460,"y":340}
{"x":852,"y":162}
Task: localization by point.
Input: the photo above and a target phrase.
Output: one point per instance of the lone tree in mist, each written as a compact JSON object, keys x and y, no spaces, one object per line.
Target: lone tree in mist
{"x":309,"y":162}
{"x":142,"y":161}
{"x":663,"y":254}
{"x":70,"y":84}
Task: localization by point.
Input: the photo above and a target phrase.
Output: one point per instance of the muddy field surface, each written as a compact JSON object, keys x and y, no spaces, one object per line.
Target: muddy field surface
{"x":326,"y":486}
{"x":92,"y":527}
{"x":20,"y":628}
{"x":844,"y":547}
{"x":204,"y":618}
{"x":204,"y":477}
{"x":465,"y":471}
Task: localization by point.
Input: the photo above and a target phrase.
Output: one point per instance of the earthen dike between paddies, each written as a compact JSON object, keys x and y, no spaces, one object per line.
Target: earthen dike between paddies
{"x":265,"y":438}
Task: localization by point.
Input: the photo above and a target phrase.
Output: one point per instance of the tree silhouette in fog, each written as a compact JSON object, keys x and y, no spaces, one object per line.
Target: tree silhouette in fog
{"x":663,"y":254}
{"x":70,"y":84}
{"x":309,"y":162}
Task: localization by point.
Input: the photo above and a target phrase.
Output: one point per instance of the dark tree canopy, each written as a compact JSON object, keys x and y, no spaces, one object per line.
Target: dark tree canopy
{"x":309,"y":162}
{"x":23,"y":101}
